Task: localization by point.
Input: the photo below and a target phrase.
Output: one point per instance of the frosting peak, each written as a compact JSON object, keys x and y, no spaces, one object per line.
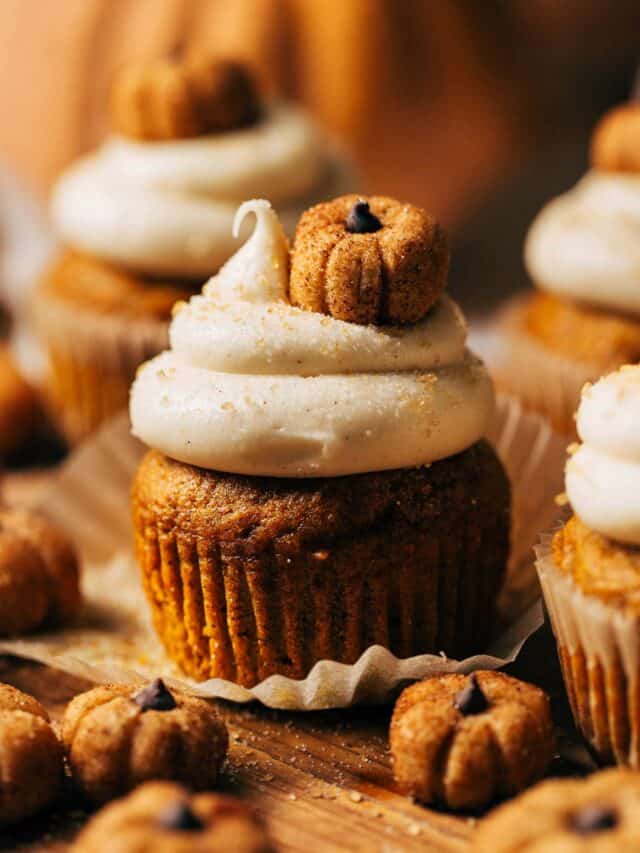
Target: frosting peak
{"x":253,"y":385}
{"x":259,"y":271}
{"x":603,"y":474}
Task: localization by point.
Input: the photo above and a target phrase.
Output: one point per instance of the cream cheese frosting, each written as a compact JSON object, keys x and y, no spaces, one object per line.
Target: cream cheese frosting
{"x":603,"y":473}
{"x":253,"y":385}
{"x":166,"y":208}
{"x":585,"y":244}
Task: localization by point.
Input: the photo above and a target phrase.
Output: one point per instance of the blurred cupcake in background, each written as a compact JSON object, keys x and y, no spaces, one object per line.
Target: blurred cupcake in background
{"x":590,"y":570}
{"x":583,"y":254}
{"x":145,"y":219}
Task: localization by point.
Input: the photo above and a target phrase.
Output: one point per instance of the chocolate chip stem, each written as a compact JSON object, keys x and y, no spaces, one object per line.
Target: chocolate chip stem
{"x":360,"y":220}
{"x":592,"y":819}
{"x":471,"y":700}
{"x":179,"y":817}
{"x":155,"y":697}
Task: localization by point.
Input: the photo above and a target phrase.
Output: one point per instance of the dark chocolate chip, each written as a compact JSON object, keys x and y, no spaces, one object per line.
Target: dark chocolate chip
{"x":155,"y":697}
{"x":592,"y":819}
{"x":360,"y":220}
{"x":471,"y":700}
{"x":179,"y":817}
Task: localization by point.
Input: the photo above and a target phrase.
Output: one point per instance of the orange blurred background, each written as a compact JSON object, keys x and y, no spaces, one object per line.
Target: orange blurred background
{"x":477,"y":109}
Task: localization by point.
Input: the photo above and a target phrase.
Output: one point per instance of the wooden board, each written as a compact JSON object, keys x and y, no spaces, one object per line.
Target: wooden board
{"x":321,"y":780}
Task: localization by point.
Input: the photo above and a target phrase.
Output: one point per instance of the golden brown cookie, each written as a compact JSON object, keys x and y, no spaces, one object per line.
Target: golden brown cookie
{"x":615,"y":146}
{"x":600,"y":813}
{"x":368,"y":260}
{"x":31,"y":758}
{"x":160,"y":817}
{"x":465,"y":741}
{"x":182,"y":98}
{"x":119,"y":736}
{"x":39,"y":573}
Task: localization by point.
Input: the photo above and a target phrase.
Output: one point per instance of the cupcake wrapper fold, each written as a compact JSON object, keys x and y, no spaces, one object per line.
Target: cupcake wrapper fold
{"x":543,"y":381}
{"x":599,"y":651}
{"x":223,"y":616}
{"x":92,"y":360}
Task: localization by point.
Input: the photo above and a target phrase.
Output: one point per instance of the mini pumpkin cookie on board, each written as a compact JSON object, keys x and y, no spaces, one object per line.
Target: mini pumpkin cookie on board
{"x":600,"y":813}
{"x":368,"y":260}
{"x":466,"y":741}
{"x":39,"y":573}
{"x":31,"y":757}
{"x":160,"y":817}
{"x":118,"y":736}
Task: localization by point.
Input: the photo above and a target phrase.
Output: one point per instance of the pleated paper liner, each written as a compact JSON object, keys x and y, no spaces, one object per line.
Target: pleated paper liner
{"x":599,"y":651}
{"x":543,"y":381}
{"x":92,"y":360}
{"x":115,"y":640}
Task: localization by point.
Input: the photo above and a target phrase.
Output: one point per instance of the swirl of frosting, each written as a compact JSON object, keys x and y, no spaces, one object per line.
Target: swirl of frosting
{"x":166,"y":208}
{"x":603,"y":473}
{"x":253,"y":385}
{"x":585,"y":244}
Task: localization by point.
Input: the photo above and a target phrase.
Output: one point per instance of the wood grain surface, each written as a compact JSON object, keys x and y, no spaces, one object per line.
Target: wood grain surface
{"x":322,"y":780}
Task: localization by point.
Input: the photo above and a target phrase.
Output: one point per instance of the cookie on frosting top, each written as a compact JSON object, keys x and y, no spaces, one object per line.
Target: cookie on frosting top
{"x":254,"y":384}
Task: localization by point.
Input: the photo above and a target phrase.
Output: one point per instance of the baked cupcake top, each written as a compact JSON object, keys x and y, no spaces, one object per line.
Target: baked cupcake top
{"x":603,"y":472}
{"x":192,"y":139}
{"x":255,"y":385}
{"x":585,"y":244}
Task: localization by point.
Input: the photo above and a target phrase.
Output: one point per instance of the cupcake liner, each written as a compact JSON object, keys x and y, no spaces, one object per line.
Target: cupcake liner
{"x":92,"y":360}
{"x":545,"y":382}
{"x":599,"y":651}
{"x":116,"y":641}
{"x":245,"y":619}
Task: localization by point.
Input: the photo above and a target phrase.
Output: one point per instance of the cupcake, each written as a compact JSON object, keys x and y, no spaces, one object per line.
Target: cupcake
{"x":590,"y":570}
{"x":145,"y":220}
{"x":582,"y":254}
{"x":318,"y":480}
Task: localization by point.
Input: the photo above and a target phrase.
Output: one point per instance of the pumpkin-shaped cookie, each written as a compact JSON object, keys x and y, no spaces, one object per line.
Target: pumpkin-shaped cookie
{"x":160,"y":817}
{"x":615,"y":146}
{"x":600,"y":813}
{"x":368,"y":260}
{"x":31,"y":758}
{"x":181,"y":98}
{"x":39,"y":575}
{"x":466,"y":741}
{"x":119,"y":736}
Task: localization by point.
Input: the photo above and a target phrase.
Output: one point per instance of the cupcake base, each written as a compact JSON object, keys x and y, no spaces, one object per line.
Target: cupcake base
{"x":599,"y":650}
{"x":97,"y":325}
{"x":550,"y":348}
{"x":250,"y":576}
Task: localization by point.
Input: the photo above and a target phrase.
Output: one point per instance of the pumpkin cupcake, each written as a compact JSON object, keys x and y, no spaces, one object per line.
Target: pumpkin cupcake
{"x":590,"y":570}
{"x":144,"y":220}
{"x":582,"y":254}
{"x":319,"y":482}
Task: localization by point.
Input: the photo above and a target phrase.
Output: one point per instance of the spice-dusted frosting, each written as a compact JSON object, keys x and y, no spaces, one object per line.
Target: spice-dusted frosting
{"x":603,"y":473}
{"x":253,"y":385}
{"x":585,"y":244}
{"x":166,"y":208}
